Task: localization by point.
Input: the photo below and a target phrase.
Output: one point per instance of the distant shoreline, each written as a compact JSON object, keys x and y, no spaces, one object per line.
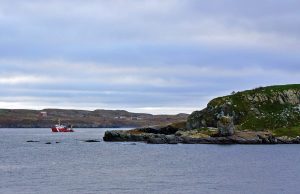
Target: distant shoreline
{"x":20,"y":118}
{"x":121,"y":127}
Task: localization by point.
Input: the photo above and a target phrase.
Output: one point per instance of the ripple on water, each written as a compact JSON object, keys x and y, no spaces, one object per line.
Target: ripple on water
{"x":76,"y":166}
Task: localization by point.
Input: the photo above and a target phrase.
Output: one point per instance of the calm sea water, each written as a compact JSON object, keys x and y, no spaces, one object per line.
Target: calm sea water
{"x":75,"y":166}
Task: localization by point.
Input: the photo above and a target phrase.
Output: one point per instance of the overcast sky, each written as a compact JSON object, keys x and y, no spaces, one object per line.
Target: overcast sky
{"x":156,"y":56}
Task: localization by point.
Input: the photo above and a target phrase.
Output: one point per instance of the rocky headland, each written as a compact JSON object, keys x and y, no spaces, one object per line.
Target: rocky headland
{"x":197,"y":136}
{"x":265,"y":115}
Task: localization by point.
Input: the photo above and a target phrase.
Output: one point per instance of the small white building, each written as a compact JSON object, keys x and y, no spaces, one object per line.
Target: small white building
{"x":43,"y":114}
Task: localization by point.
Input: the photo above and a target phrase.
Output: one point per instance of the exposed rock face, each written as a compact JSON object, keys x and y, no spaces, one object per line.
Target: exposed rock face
{"x":134,"y":136}
{"x":290,"y":96}
{"x":141,"y":134}
{"x":167,"y":130}
{"x":225,"y":126}
{"x":240,"y":137}
{"x":262,"y":108}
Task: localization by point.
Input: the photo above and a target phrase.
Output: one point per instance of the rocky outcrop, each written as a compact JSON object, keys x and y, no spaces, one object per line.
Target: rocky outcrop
{"x":225,"y":126}
{"x":141,"y":134}
{"x":166,"y":130}
{"x":240,"y":137}
{"x":131,"y":136}
{"x":32,"y":141}
{"x":289,"y":95}
{"x":259,"y":109}
{"x":259,"y":116}
{"x":92,"y":141}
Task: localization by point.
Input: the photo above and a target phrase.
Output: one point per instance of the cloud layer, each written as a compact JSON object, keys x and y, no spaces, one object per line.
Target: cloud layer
{"x":153,"y":56}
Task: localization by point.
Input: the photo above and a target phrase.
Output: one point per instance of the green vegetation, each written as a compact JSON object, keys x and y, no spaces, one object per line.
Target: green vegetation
{"x":274,"y":108}
{"x":261,"y":108}
{"x":290,"y":132}
{"x":207,"y":131}
{"x":197,"y":133}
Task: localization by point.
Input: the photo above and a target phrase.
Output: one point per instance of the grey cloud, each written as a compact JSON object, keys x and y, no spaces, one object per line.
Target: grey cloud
{"x":144,"y":54}
{"x":94,"y":24}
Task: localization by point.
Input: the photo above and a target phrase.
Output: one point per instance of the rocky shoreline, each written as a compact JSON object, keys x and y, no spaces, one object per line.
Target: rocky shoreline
{"x":264,"y":115}
{"x":194,"y":137}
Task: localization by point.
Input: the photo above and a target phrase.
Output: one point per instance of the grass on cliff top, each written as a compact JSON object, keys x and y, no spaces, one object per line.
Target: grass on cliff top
{"x":267,"y":118}
{"x":290,"y":132}
{"x":283,"y":87}
{"x":270,"y":89}
{"x":198,"y":133}
{"x":238,"y":96}
{"x":207,"y":131}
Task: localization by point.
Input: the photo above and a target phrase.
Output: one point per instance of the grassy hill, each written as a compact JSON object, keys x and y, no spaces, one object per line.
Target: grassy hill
{"x":275,"y":108}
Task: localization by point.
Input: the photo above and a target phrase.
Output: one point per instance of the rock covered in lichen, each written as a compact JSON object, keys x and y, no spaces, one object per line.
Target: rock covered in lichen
{"x":199,"y":137}
{"x":225,"y":126}
{"x":262,"y":108}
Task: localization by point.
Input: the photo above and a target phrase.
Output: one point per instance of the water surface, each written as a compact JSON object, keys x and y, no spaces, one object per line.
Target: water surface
{"x":75,"y":166}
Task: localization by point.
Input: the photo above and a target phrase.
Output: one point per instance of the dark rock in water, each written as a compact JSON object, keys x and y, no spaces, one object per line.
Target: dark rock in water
{"x":225,"y":126}
{"x":147,"y":134}
{"x":270,"y":139}
{"x":121,"y":136}
{"x":197,"y":137}
{"x":172,"y":139}
{"x":167,"y":130}
{"x":48,"y":143}
{"x":32,"y":141}
{"x":92,"y":140}
{"x":164,"y":139}
{"x":157,"y":140}
{"x":114,"y":135}
{"x":288,"y":140}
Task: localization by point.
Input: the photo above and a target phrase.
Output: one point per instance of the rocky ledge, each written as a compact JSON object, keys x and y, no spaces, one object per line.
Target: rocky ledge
{"x":210,"y":136}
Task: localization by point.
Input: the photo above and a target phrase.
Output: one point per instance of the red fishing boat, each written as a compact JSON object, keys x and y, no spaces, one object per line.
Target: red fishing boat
{"x":62,"y":128}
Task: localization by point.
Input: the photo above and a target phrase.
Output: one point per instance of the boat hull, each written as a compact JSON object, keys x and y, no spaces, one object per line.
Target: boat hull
{"x":64,"y":130}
